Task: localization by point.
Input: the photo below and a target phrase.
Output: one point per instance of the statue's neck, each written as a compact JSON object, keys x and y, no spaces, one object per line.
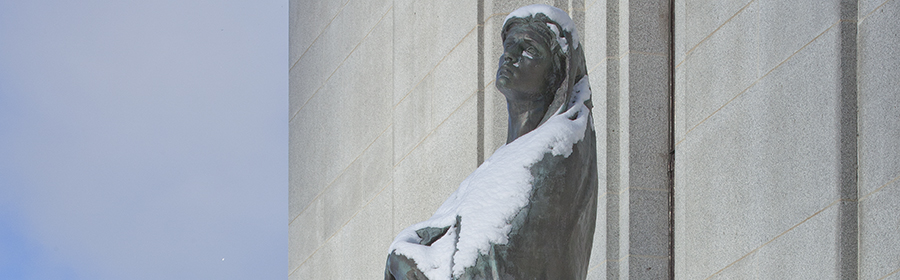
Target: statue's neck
{"x":524,"y":116}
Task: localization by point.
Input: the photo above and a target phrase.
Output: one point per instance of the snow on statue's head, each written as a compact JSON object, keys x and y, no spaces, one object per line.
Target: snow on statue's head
{"x":541,"y":57}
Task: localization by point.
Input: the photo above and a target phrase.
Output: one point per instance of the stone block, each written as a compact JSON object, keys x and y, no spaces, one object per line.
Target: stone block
{"x":306,"y":234}
{"x":683,"y":265}
{"x":721,"y":67}
{"x":787,"y":26}
{"x":594,"y":37}
{"x":879,"y":103}
{"x":642,"y":267}
{"x":596,"y":274}
{"x":307,"y":20}
{"x":597,"y":263}
{"x":868,"y":6}
{"x":598,"y":113}
{"x":680,"y":27}
{"x":893,"y":276}
{"x":336,"y":43}
{"x":495,"y":113}
{"x":622,"y":226}
{"x":427,"y":32}
{"x":648,"y":121}
{"x":808,"y":251}
{"x":763,"y":163}
{"x":504,"y":7}
{"x":681,"y":125}
{"x":427,"y":176}
{"x":649,"y":225}
{"x":455,"y":80}
{"x":359,"y":250}
{"x":879,"y":232}
{"x":649,"y":27}
{"x":337,"y":125}
{"x":436,"y":97}
{"x":342,"y":200}
{"x":318,"y":266}
{"x":702,"y":18}
{"x":613,"y":229}
{"x":618,"y":121}
{"x":414,"y":118}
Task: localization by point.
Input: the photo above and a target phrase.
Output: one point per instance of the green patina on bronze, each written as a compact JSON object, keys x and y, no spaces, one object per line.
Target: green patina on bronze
{"x":551,"y":238}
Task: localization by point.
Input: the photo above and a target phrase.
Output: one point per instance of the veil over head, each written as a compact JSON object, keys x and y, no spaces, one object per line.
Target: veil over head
{"x":563,"y":28}
{"x":528,"y":210}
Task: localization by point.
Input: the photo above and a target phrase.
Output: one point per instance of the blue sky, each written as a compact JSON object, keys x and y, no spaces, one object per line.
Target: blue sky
{"x":143,"y":139}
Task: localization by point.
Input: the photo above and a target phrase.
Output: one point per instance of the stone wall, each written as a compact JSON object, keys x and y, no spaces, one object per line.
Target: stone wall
{"x":879,"y":138}
{"x":786,"y":141}
{"x":392,"y":105}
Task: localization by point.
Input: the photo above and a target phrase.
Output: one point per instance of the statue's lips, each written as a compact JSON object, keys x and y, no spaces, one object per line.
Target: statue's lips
{"x":506,"y":70}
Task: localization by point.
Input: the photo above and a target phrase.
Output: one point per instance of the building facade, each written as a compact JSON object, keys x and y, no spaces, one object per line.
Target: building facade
{"x":735,"y":139}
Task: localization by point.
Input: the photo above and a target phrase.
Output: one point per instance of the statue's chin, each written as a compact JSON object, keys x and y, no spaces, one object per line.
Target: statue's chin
{"x":503,"y":84}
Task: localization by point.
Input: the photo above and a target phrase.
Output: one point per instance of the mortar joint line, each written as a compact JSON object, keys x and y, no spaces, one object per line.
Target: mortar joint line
{"x":340,"y":174}
{"x":650,"y":256}
{"x":340,"y":64}
{"x":602,"y":195}
{"x":604,"y":261}
{"x":647,"y":53}
{"x":619,"y":57}
{"x":602,"y":61}
{"x":319,"y":35}
{"x":616,"y":192}
{"x":889,"y":274}
{"x":413,"y":88}
{"x":342,"y":227}
{"x":879,"y":188}
{"x":688,"y":53}
{"x":623,"y":190}
{"x":649,"y":189}
{"x":873,"y":11}
{"x":494,"y":15}
{"x":619,"y":259}
{"x":436,"y":127}
{"x":775,"y":238}
{"x":683,"y":137}
{"x":591,"y":5}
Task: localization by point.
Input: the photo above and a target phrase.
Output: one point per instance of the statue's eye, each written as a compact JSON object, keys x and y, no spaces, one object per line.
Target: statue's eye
{"x":530,"y":52}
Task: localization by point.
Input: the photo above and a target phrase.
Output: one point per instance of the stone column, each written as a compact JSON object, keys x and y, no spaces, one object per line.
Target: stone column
{"x":638,"y":139}
{"x":769,"y":140}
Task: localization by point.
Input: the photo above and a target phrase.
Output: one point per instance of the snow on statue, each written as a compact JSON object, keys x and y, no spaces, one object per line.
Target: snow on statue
{"x":528,"y":211}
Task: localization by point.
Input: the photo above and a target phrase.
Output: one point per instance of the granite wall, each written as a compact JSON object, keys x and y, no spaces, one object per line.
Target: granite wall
{"x":736,"y":139}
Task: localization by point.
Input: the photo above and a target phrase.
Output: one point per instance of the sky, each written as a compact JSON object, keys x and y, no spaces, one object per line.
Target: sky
{"x":143,"y":139}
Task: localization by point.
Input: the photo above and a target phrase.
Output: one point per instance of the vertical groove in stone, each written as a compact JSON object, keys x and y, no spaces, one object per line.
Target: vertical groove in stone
{"x":671,"y":140}
{"x":612,"y":140}
{"x":848,"y":213}
{"x":480,"y":95}
{"x":393,"y":124}
{"x":577,"y":15}
{"x":647,"y":150}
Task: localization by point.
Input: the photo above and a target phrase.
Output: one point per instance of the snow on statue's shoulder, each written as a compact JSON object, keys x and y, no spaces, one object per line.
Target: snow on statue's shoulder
{"x":490,"y":197}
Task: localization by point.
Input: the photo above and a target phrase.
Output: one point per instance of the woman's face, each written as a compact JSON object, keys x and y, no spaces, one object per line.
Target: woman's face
{"x":526,"y":64}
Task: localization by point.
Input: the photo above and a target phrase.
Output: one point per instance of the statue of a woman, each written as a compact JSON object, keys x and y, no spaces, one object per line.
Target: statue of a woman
{"x":527,"y":212}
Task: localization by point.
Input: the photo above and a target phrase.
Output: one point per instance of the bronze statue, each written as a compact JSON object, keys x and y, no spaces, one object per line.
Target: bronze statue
{"x":528,"y":212}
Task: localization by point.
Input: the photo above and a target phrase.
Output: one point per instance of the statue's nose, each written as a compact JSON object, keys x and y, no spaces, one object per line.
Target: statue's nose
{"x":509,"y":58}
